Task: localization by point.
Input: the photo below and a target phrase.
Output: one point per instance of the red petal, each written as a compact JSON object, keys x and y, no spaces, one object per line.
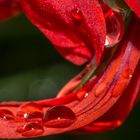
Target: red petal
{"x":104,"y":94}
{"x":76,"y":28}
{"x":9,"y":8}
{"x":115,"y":116}
{"x":134,"y":5}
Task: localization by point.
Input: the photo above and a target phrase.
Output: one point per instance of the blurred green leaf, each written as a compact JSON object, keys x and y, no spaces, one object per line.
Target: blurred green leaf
{"x":31,"y":69}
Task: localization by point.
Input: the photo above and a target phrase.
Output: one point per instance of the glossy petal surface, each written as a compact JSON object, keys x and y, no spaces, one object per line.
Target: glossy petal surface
{"x":76,"y":28}
{"x":99,"y":103}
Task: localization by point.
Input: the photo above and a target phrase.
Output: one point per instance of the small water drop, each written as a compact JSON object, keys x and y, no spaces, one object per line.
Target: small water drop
{"x":86,"y":95}
{"x":76,"y":15}
{"x":107,"y":42}
{"x":127,"y":73}
{"x":30,"y":130}
{"x":6,"y":114}
{"x":59,"y":117}
{"x":115,"y":28}
{"x":119,"y":87}
{"x":30,"y":112}
{"x":81,"y":94}
{"x":100,"y":89}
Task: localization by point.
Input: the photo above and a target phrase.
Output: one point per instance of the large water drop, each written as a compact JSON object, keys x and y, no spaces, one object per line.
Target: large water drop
{"x":59,"y":117}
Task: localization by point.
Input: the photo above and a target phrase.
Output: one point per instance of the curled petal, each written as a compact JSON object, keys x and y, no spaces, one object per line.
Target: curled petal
{"x":115,"y":116}
{"x":76,"y":28}
{"x":103,"y":95}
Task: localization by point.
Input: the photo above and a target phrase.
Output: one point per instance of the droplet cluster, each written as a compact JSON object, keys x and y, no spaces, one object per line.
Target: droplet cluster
{"x":34,"y":119}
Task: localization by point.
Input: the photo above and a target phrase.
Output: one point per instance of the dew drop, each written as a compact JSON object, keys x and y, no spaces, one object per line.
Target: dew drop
{"x":86,"y":95}
{"x":59,"y":117}
{"x":115,"y":28}
{"x":81,"y":94}
{"x":100,"y":89}
{"x":6,"y":114}
{"x":30,"y":130}
{"x":119,"y":88}
{"x":127,"y":73}
{"x":33,"y":116}
{"x":76,"y":15}
{"x":30,"y":112}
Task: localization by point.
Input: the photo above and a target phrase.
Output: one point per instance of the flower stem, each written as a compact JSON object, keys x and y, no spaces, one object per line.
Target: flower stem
{"x":126,"y":13}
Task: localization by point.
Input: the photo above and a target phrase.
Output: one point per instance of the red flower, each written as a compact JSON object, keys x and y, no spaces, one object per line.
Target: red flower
{"x":79,"y":29}
{"x":69,"y":25}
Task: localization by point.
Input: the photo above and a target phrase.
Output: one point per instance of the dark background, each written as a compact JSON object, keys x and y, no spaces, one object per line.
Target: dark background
{"x":31,"y":69}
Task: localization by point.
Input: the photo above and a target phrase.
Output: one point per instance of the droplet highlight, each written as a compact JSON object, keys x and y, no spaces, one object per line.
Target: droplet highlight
{"x":30,"y":130}
{"x":81,"y":94}
{"x":76,"y":15}
{"x":6,"y":115}
{"x":33,"y":116}
{"x":59,"y":117}
{"x":86,"y":95}
{"x":127,"y":73}
{"x":30,"y":112}
{"x":114,"y":27}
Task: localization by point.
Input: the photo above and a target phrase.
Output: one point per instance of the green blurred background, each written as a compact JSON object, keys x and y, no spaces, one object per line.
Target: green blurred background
{"x":31,"y":69}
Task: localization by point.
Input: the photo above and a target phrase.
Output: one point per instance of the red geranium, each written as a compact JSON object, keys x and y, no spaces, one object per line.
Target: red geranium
{"x":82,"y":31}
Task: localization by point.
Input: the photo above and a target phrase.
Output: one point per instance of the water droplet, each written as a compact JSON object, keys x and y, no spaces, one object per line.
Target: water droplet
{"x":107,"y":42}
{"x":30,"y":112}
{"x":81,"y":94}
{"x":76,"y":15}
{"x":127,"y":74}
{"x":86,"y":95}
{"x":119,"y":88}
{"x":33,"y":116}
{"x":115,"y":28}
{"x":59,"y":117}
{"x":30,"y":130}
{"x":6,"y":114}
{"x":100,"y":89}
